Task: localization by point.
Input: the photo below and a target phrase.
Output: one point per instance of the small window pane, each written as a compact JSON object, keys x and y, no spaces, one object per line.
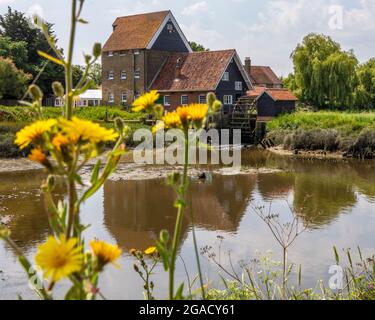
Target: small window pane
{"x":184,"y":99}
{"x":167,"y":101}
{"x":123,"y":75}
{"x":226,"y":76}
{"x":238,"y":85}
{"x":110,"y":53}
{"x":202,"y":98}
{"x":137,"y":74}
{"x":228,"y":99}
{"x":111,"y":97}
{"x":124,"y":97}
{"x":110,"y":75}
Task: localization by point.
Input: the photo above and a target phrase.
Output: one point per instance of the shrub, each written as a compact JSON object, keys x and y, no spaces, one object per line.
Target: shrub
{"x":312,"y":140}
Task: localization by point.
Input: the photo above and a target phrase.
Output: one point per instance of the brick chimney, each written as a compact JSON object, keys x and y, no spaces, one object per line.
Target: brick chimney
{"x":248,"y":65}
{"x":178,"y":69}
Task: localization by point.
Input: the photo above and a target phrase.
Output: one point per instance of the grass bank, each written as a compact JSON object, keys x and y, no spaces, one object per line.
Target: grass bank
{"x":12,"y":119}
{"x":350,"y":133}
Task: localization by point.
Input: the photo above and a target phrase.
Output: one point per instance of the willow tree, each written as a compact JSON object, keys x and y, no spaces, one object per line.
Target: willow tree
{"x":324,"y":74}
{"x":365,"y":92}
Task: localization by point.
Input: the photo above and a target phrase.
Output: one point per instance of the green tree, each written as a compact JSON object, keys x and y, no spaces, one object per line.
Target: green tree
{"x":16,"y":50}
{"x":196,"y":47}
{"x":325,"y":75}
{"x":13,"y":81}
{"x":95,"y":74}
{"x":365,"y":92}
{"x":15,"y":26}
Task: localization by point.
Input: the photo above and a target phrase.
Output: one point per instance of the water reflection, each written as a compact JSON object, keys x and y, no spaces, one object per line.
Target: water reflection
{"x":136,"y":211}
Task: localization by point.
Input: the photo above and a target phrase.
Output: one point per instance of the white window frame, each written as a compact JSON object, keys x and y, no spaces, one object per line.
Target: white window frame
{"x":165,"y":102}
{"x":228,"y":99}
{"x":124,"y":94}
{"x":238,"y":86}
{"x":202,"y":99}
{"x":187,"y":99}
{"x":122,"y":53}
{"x":136,"y":52}
{"x":137,"y":74}
{"x":225,"y":76}
{"x":111,"y":75}
{"x":123,"y":75}
{"x":110,"y":54}
{"x":111,"y":97}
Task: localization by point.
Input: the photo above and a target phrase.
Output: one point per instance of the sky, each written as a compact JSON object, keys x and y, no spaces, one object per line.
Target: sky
{"x":265,"y":30}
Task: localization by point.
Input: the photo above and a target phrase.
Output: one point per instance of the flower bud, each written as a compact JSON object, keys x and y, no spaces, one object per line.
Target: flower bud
{"x":211,"y":98}
{"x":4,"y":232}
{"x":97,"y":50}
{"x":58,"y":89}
{"x":216,"y":106}
{"x":35,"y":92}
{"x":164,"y":236}
{"x":119,"y":124}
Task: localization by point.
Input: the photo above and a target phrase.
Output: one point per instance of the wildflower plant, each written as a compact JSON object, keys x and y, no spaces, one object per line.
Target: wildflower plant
{"x":64,"y":146}
{"x":183,"y":119}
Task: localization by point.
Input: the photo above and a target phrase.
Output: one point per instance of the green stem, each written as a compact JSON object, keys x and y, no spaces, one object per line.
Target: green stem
{"x":180,"y":216}
{"x":68,"y":66}
{"x":72,"y":196}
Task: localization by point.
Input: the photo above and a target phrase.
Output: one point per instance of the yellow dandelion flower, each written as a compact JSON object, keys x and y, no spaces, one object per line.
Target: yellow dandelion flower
{"x":37,"y":155}
{"x":198,"y":111}
{"x":33,"y":132}
{"x":86,"y":131}
{"x":105,"y":252}
{"x":59,"y":140}
{"x":146,"y":101}
{"x":184,"y":113}
{"x":59,"y":258}
{"x":172,"y":120}
{"x":150,"y":251}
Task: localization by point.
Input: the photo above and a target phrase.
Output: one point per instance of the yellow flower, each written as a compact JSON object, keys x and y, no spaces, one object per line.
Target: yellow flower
{"x":172,"y":120}
{"x":150,"y":251}
{"x":146,"y":101}
{"x":33,"y":132}
{"x":198,"y":111}
{"x":59,"y":258}
{"x":105,"y":252}
{"x":86,"y":131}
{"x":183,"y":113}
{"x":59,"y":140}
{"x":37,"y":155}
{"x":157,"y":127}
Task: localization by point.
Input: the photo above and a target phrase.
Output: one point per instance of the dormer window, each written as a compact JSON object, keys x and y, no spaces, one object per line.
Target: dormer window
{"x":110,"y":53}
{"x":111,"y":75}
{"x":226,"y":76}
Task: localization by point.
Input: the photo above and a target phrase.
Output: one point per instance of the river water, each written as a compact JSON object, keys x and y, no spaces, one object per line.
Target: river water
{"x":335,"y":197}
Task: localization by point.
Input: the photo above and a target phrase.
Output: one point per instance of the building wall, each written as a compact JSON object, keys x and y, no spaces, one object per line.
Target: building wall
{"x":228,"y":87}
{"x":129,"y":63}
{"x":170,"y":40}
{"x":267,"y":107}
{"x":175,"y":98}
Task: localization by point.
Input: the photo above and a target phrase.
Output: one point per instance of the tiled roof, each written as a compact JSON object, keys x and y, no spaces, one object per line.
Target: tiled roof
{"x":263,"y":75}
{"x":281,"y":95}
{"x":134,"y":32}
{"x":256,"y":92}
{"x":200,"y":71}
{"x":276,"y":94}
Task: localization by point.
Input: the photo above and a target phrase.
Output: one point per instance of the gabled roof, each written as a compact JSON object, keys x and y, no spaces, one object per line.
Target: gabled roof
{"x":263,"y":75}
{"x":139,"y":31}
{"x":275,"y":94}
{"x":281,"y":95}
{"x":200,"y":71}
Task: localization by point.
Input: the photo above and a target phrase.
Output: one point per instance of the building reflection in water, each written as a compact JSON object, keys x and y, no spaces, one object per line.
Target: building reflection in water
{"x":136,"y":211}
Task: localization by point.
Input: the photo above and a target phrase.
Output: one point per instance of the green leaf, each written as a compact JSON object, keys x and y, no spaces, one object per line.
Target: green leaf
{"x":179,"y":292}
{"x":83,"y":21}
{"x":337,"y":258}
{"x":95,"y":172}
{"x":50,"y":58}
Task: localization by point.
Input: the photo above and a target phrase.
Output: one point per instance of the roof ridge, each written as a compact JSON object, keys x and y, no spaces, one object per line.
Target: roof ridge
{"x":143,"y":14}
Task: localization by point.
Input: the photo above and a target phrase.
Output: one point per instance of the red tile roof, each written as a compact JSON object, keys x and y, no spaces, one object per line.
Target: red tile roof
{"x":200,"y":71}
{"x":263,"y":75}
{"x":134,"y":32}
{"x":256,"y":92}
{"x":281,"y":95}
{"x":276,"y":94}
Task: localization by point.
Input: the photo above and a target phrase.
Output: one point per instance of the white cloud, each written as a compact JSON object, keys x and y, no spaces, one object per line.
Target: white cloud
{"x":208,"y":37}
{"x":5,"y":2}
{"x":196,"y":8}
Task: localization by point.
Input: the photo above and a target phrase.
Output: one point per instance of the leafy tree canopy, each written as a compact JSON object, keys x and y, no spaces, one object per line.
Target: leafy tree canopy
{"x":196,"y":47}
{"x":324,"y":74}
{"x":17,"y":28}
{"x":13,"y":82}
